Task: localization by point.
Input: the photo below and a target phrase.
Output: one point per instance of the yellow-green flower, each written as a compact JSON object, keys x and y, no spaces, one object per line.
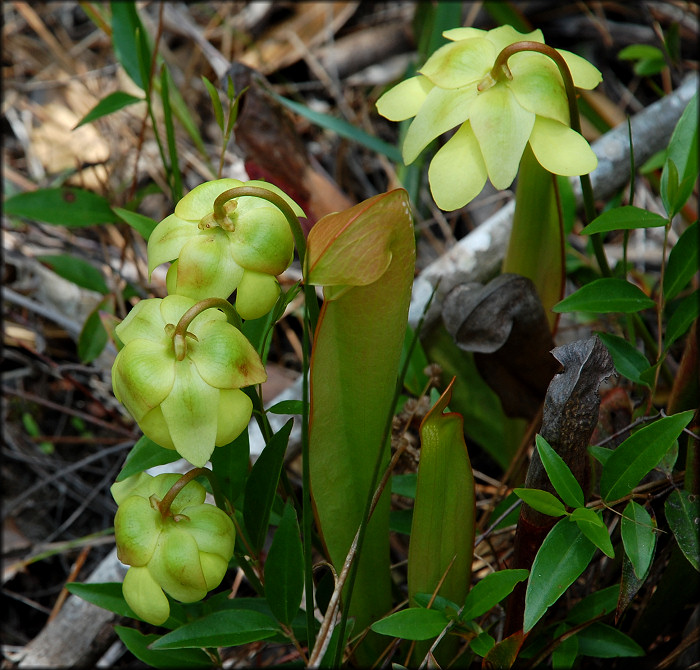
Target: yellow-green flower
{"x":495,"y":117}
{"x":254,"y":245}
{"x":187,"y":399}
{"x":185,"y":554}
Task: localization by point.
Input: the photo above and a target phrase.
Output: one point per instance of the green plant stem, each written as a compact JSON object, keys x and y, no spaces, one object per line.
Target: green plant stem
{"x":164,"y":504}
{"x":500,"y":70}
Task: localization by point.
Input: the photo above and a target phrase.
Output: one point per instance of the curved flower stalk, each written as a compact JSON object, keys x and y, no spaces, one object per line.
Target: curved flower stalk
{"x":180,"y":546}
{"x":242,"y":249}
{"x":181,"y":383}
{"x":497,"y":108}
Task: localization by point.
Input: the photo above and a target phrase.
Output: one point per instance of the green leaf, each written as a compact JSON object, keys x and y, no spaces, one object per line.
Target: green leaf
{"x":682,"y":262}
{"x":65,"y":206}
{"x":284,"y":568}
{"x":216,"y":102}
{"x":683,"y":514}
{"x":482,"y":644}
{"x":489,"y":591}
{"x":262,"y":484}
{"x":109,"y":104}
{"x":602,"y":641}
{"x":542,"y":501}
{"x":126,"y":25}
{"x":415,"y":623}
{"x":139,"y":645}
{"x":669,"y":187}
{"x":628,"y":360}
{"x":638,"y":537}
{"x":594,"y":605}
{"x":563,"y":556}
{"x":683,"y":151}
{"x":638,"y":454}
{"x":593,"y":527}
{"x":174,"y":167}
{"x":401,"y":520}
{"x":565,"y":654}
{"x":342,"y":128}
{"x":404,"y":485}
{"x":562,"y":478}
{"x":287,"y":407}
{"x":225,"y":628}
{"x":93,"y":337}
{"x":231,"y":464}
{"x":682,"y":318}
{"x":145,"y":454}
{"x":606,"y":295}
{"x":624,"y":218}
{"x":76,"y":270}
{"x":640,"y":51}
{"x":601,"y":454}
{"x":144,"y":225}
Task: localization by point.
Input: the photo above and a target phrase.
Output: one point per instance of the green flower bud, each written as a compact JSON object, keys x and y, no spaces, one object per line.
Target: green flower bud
{"x":212,"y":257}
{"x":184,"y":553}
{"x":184,"y":392}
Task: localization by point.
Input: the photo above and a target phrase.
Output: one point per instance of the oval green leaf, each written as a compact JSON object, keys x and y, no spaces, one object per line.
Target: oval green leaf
{"x":602,"y":641}
{"x":563,"y":556}
{"x":624,"y":218}
{"x":628,"y":360}
{"x":109,"y":104}
{"x":682,"y":262}
{"x":226,"y":628}
{"x":560,"y":475}
{"x":139,"y":645}
{"x":592,"y":526}
{"x":145,"y":454}
{"x":606,"y":295}
{"x":638,"y":454}
{"x":66,"y":206}
{"x":76,"y":270}
{"x":144,"y":225}
{"x":682,"y":318}
{"x":638,"y":537}
{"x":93,"y":337}
{"x":683,"y":516}
{"x":415,"y":623}
{"x":284,"y":568}
{"x":489,"y":591}
{"x":542,"y":501}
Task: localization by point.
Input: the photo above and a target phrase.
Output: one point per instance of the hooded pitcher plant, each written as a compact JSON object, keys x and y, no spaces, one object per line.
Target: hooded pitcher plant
{"x":364,"y":258}
{"x":181,"y":371}
{"x":173,"y":541}
{"x":219,"y":245}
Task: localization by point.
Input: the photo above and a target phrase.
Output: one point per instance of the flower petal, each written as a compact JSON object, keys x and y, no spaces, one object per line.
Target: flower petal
{"x":211,"y":528}
{"x":155,"y":428}
{"x":457,"y":34}
{"x":206,"y":268}
{"x":173,"y":306}
{"x":167,"y":239}
{"x":506,"y":35}
{"x":538,"y":86}
{"x":143,"y":322}
{"x":192,"y":494}
{"x":560,"y":149}
{"x":404,"y":100}
{"x":457,"y":172}
{"x":583,"y":73}
{"x":191,"y":411}
{"x":256,"y":295}
{"x":213,"y":568}
{"x":200,"y":200}
{"x":460,"y":63}
{"x":443,"y":109}
{"x":137,"y":527}
{"x":143,"y":375}
{"x":175,"y":565}
{"x":502,"y":127}
{"x":224,"y":357}
{"x":143,"y":594}
{"x":235,"y":410}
